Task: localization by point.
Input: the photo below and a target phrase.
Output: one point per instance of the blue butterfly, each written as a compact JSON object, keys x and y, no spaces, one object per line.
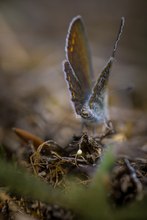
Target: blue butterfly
{"x":90,"y":100}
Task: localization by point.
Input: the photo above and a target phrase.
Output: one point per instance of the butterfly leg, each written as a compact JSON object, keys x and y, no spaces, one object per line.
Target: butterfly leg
{"x":109,"y":126}
{"x":94,"y":130}
{"x":84,"y":127}
{"x":88,"y":129}
{"x":108,"y":129}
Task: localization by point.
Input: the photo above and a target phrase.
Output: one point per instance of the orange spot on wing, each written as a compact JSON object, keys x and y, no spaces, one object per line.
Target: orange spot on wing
{"x":73,"y":41}
{"x":71,"y":49}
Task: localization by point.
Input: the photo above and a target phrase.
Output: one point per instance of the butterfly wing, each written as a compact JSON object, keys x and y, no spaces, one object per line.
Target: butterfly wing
{"x":77,"y":94}
{"x":99,"y":90}
{"x":78,"y":55}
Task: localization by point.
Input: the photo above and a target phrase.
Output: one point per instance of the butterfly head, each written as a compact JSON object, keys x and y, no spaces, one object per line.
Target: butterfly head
{"x":86,"y":113}
{"x":95,"y":114}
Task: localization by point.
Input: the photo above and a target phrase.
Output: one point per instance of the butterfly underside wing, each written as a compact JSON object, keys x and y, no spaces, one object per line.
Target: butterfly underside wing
{"x":77,"y":94}
{"x":99,"y":92}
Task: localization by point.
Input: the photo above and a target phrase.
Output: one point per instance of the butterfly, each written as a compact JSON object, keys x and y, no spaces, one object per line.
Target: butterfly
{"x":90,"y":100}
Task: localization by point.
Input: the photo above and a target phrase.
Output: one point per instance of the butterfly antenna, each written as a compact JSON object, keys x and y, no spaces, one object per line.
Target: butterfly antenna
{"x":118,"y":36}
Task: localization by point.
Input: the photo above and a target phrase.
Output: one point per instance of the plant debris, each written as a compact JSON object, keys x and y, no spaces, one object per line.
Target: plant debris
{"x":79,"y":159}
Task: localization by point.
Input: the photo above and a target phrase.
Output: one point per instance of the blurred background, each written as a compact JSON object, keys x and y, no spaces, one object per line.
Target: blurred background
{"x":33,"y":92}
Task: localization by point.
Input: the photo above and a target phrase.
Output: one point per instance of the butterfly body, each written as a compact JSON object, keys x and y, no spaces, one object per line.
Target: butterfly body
{"x":90,"y":101}
{"x":96,"y":112}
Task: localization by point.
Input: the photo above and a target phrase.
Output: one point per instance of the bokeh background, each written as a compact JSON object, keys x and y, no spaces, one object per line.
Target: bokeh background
{"x":33,"y":92}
